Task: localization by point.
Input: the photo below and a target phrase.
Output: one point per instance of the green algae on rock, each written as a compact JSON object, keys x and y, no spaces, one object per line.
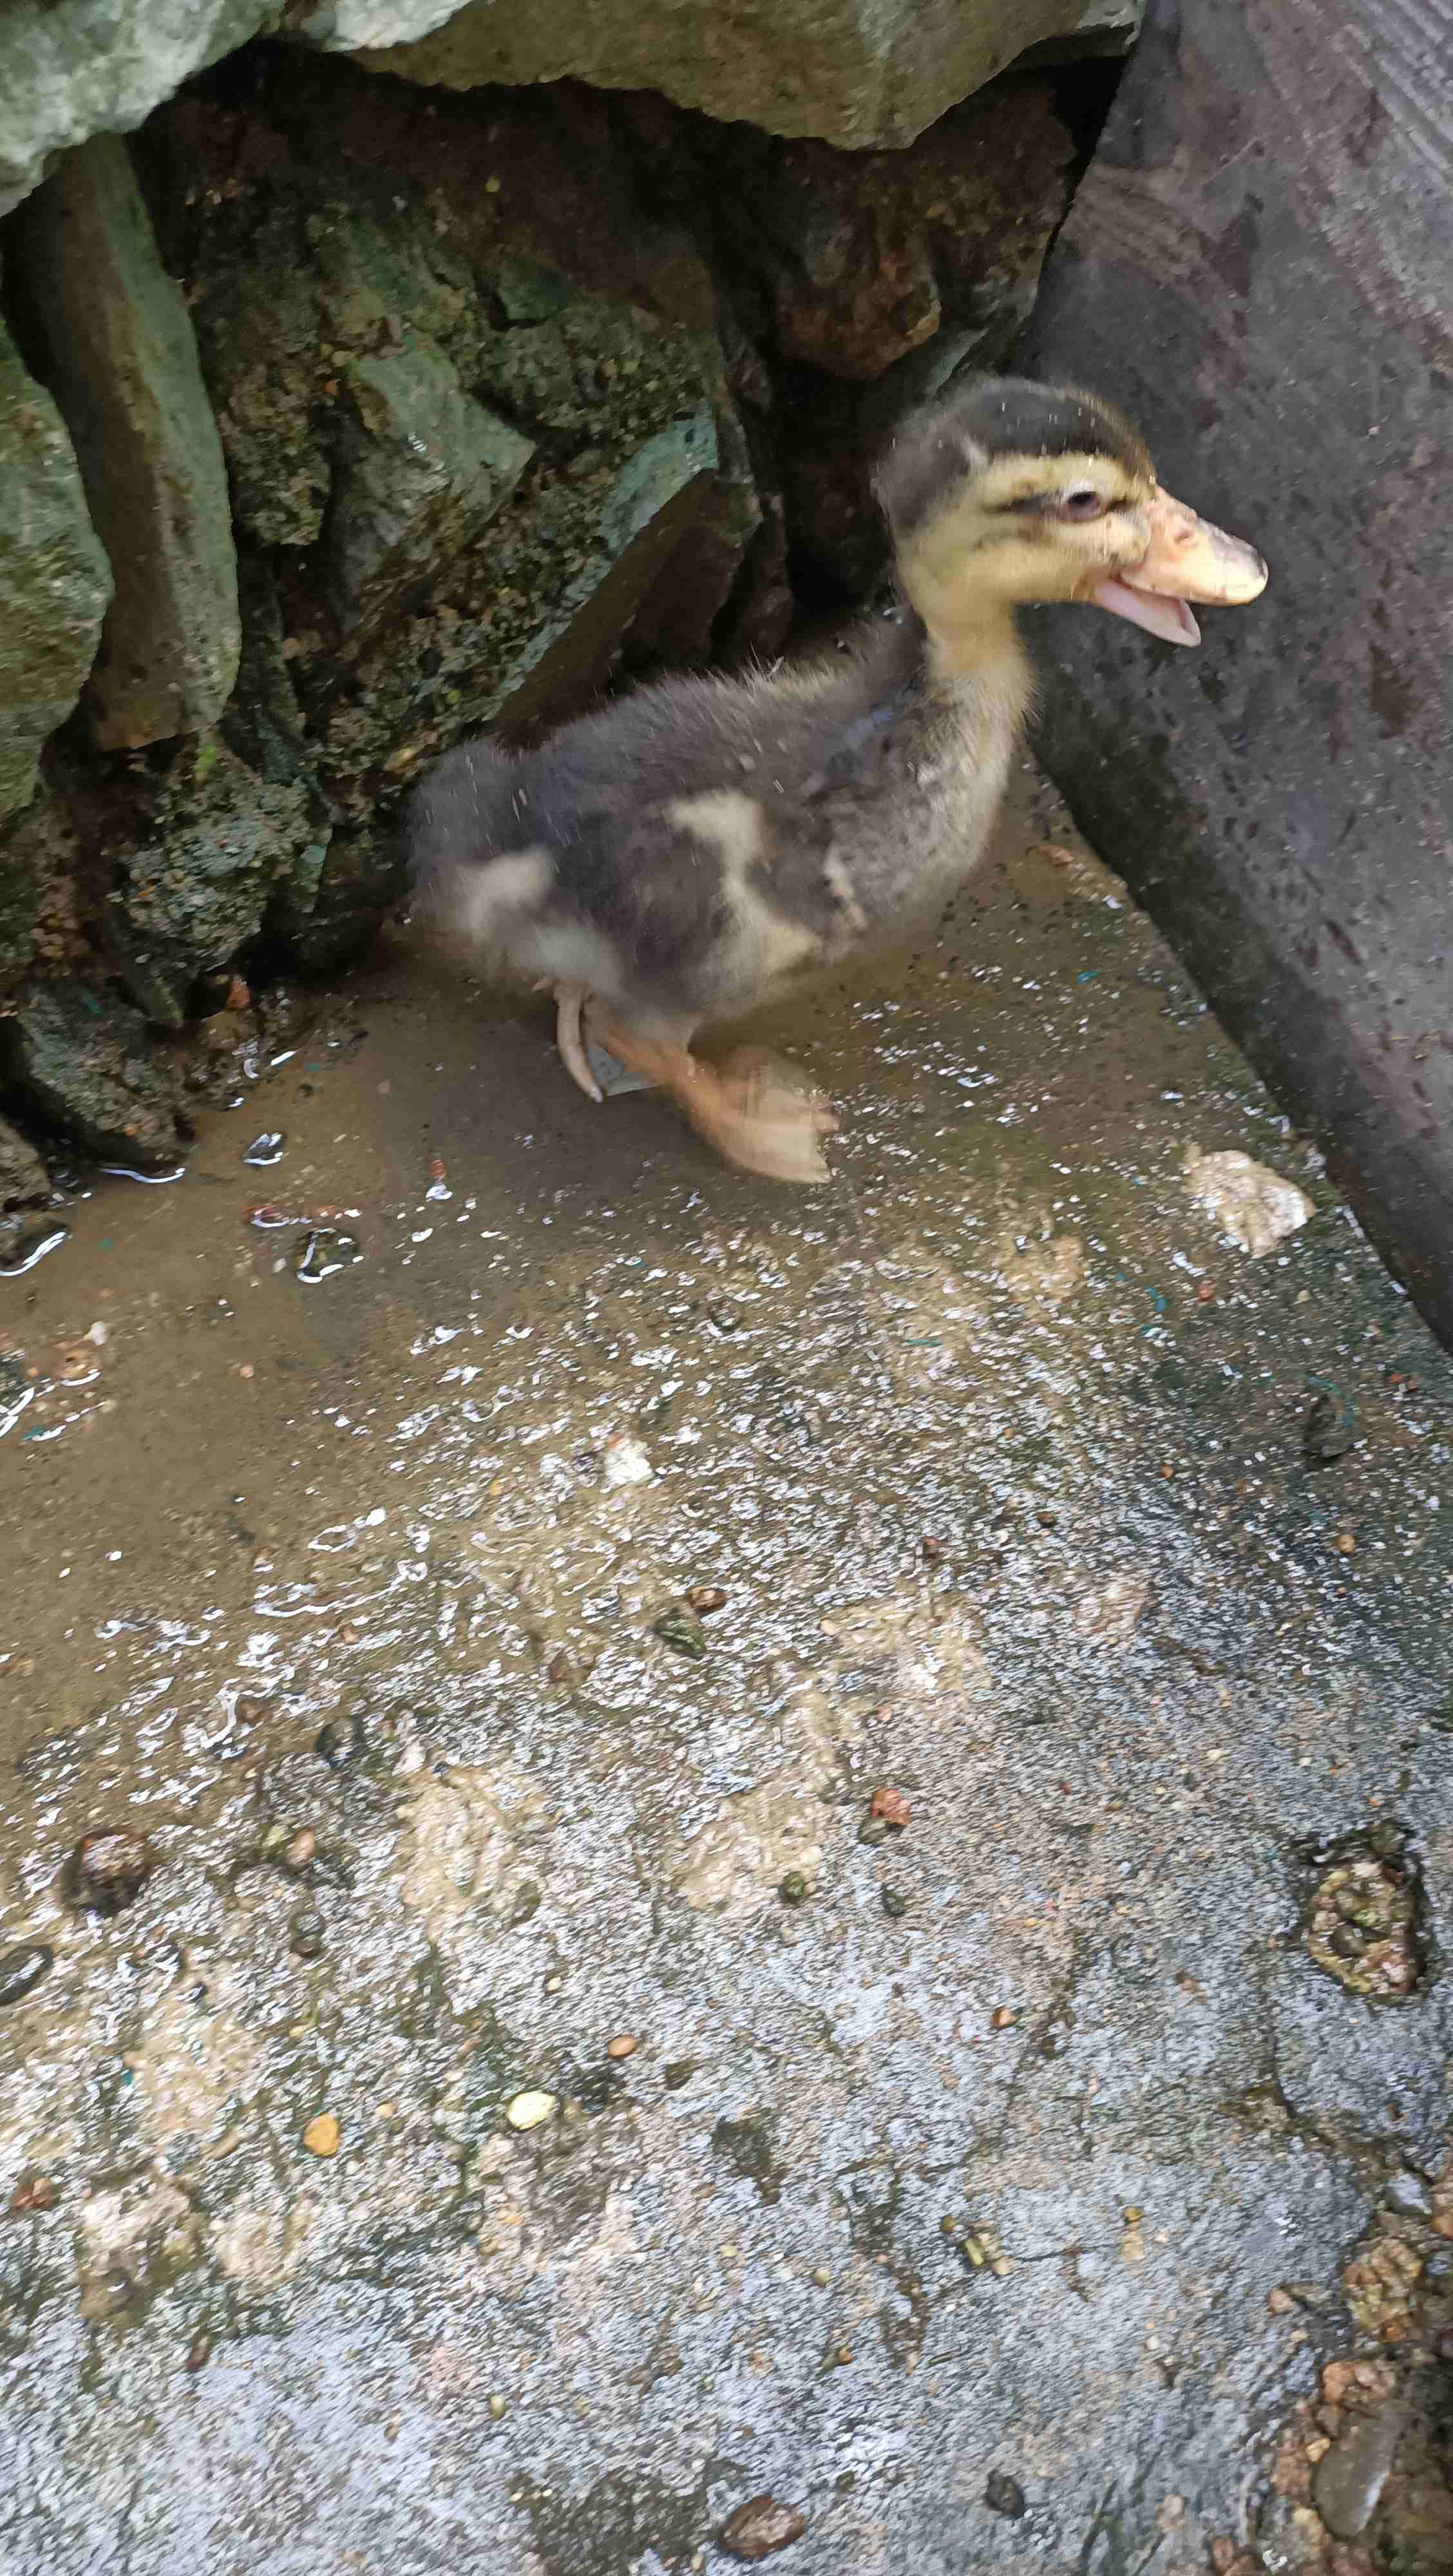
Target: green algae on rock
{"x":23,"y":1179}
{"x":859,"y":72}
{"x":121,"y":356}
{"x":86,"y":1061}
{"x":196,"y":879}
{"x":55,"y":581}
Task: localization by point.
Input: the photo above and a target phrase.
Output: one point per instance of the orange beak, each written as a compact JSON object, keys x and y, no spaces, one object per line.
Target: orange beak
{"x":1187,"y":559}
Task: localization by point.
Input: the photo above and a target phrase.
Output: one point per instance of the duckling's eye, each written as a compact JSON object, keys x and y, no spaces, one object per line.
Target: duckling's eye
{"x":1086,"y":503}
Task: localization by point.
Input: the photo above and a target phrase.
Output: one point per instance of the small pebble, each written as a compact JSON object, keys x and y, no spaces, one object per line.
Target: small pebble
{"x":822,"y":2276}
{"x":1003,"y":2019}
{"x":22,"y":1969}
{"x":761,"y":2527}
{"x":623,"y":2045}
{"x":932,"y":1549}
{"x":1252,"y":1205}
{"x":325,"y":1252}
{"x":1407,"y":2195}
{"x":342,"y":1740}
{"x":1329,"y":1428}
{"x":895,"y":1903}
{"x":706,"y":1597}
{"x":1348,"y":2481}
{"x":39,"y":2193}
{"x":626,"y":1462}
{"x":680,"y":1628}
{"x":1003,"y":2494}
{"x":322,"y":2136}
{"x":31,"y":1247}
{"x":198,"y":2352}
{"x":107,"y":1872}
{"x":300,"y":1848}
{"x":527,"y":2110}
{"x":1279,"y":2303}
{"x":1311,"y":2294}
{"x":890,"y":1807}
{"x":498,"y":2404}
{"x":307,"y":1933}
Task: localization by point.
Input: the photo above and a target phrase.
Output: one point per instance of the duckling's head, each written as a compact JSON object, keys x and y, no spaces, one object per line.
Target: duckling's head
{"x":1016,"y":492}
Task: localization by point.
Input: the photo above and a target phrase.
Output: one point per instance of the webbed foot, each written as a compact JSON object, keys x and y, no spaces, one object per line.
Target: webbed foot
{"x":771,"y":1119}
{"x":757,"y":1112}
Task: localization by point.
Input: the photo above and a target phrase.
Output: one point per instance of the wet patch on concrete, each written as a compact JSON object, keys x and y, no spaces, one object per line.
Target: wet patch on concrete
{"x":339,"y":1597}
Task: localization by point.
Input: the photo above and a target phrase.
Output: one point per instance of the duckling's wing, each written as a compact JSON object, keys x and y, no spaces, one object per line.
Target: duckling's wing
{"x":779,"y":737}
{"x":678,"y":843}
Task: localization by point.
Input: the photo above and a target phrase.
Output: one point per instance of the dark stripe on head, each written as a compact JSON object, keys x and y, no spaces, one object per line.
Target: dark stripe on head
{"x":931,"y":454}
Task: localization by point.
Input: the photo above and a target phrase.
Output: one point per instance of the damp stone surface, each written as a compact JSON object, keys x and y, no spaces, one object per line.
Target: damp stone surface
{"x":1009,"y":2192}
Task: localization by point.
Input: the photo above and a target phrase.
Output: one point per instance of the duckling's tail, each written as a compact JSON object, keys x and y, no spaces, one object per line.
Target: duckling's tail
{"x":467,"y":839}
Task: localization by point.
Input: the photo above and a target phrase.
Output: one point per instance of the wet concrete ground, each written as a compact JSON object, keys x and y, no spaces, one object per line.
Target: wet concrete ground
{"x":973,"y":2155}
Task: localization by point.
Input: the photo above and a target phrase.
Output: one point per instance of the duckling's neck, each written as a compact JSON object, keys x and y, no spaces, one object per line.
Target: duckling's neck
{"x":970,"y":671}
{"x":976,"y":645}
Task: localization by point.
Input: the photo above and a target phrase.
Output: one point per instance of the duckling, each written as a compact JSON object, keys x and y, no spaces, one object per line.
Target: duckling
{"x":696,"y":848}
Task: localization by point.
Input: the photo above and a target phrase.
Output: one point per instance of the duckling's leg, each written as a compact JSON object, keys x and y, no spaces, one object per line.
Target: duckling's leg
{"x":569,"y":1036}
{"x":750,"y":1109}
{"x":598,"y":1074}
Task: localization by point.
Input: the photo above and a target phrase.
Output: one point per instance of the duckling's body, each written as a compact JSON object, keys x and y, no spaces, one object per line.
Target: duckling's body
{"x":689,"y":851}
{"x":685,"y":852}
